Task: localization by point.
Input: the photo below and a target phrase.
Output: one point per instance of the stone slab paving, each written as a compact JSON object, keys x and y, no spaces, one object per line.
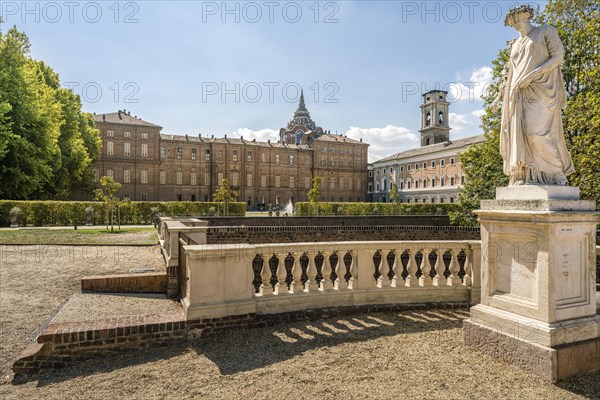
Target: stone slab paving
{"x":92,"y":307}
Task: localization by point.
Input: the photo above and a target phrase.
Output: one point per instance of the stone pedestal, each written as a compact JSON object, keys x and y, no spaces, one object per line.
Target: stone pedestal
{"x":538,"y":304}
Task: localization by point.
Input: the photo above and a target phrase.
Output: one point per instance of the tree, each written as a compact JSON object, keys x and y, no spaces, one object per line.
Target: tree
{"x":224,"y":196}
{"x":578,"y":25}
{"x":106,"y":194}
{"x":395,"y":195}
{"x":47,"y":144}
{"x":314,"y":194}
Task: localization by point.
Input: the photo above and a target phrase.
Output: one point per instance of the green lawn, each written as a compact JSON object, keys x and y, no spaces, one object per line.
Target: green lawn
{"x":126,"y":236}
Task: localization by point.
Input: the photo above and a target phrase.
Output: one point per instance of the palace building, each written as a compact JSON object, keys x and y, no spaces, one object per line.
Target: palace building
{"x":153,"y":166}
{"x":431,"y":173}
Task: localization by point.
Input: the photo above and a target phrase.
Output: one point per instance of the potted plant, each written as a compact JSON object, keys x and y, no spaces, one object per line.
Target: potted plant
{"x":15,"y":214}
{"x":89,"y":215}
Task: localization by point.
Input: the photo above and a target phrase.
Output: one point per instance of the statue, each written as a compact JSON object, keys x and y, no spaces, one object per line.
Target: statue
{"x":532,"y":92}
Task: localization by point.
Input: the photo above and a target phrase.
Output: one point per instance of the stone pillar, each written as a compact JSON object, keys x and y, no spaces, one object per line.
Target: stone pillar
{"x":538,"y":297}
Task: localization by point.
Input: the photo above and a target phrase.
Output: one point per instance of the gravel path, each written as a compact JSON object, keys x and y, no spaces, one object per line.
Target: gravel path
{"x":91,"y":307}
{"x":409,"y":355}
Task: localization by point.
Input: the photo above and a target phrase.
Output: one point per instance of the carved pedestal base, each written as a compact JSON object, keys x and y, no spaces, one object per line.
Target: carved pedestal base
{"x":538,"y":305}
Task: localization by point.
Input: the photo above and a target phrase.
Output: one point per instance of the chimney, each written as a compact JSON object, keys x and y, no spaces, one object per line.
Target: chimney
{"x":212,"y":136}
{"x":361,"y":140}
{"x":199,"y":136}
{"x":103,"y":117}
{"x":241,"y":138}
{"x":187,"y":138}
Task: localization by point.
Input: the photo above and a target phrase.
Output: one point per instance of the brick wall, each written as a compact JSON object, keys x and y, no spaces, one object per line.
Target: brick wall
{"x":378,"y":220}
{"x":300,"y":234}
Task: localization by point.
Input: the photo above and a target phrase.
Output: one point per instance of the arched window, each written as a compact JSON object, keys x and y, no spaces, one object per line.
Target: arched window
{"x":441,"y":118}
{"x":298,"y":136}
{"x":428,"y":119}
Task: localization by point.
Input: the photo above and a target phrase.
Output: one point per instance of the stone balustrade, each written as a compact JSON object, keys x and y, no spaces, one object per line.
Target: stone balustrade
{"x":227,"y":280}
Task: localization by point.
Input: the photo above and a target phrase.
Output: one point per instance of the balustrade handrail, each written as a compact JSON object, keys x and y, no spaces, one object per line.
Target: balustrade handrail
{"x":232,"y":228}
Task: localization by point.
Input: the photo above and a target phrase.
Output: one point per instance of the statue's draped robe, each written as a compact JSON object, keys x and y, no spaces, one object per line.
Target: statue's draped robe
{"x":532,"y":141}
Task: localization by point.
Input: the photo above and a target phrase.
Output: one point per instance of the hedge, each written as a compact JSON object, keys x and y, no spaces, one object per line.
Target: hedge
{"x":306,"y":209}
{"x":65,"y":213}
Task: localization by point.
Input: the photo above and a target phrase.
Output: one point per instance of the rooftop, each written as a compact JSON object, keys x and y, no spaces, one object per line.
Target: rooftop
{"x":123,"y":117}
{"x":434,"y":148}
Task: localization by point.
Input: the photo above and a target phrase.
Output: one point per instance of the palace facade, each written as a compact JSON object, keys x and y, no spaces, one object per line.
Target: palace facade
{"x":431,"y":173}
{"x":153,"y":166}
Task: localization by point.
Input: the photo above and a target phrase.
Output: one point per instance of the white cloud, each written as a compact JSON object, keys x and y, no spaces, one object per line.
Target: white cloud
{"x":472,"y":90}
{"x":384,"y":141}
{"x":478,"y":113}
{"x":458,"y":122}
{"x":261,"y":135}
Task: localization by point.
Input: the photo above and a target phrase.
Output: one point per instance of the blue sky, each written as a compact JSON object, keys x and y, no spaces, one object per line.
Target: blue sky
{"x":234,"y":67}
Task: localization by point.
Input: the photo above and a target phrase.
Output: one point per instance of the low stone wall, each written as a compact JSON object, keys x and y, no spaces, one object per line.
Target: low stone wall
{"x":154,"y":282}
{"x":336,"y":233}
{"x":60,"y":345}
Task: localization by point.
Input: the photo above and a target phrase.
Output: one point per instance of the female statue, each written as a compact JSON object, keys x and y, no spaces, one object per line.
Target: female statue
{"x":532,"y":92}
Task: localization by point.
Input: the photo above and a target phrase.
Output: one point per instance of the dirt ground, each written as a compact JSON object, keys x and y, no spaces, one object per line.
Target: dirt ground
{"x":376,"y":356}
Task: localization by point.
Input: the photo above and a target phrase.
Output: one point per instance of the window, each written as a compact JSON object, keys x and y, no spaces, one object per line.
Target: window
{"x":350,"y":183}
{"x":424,"y":165}
{"x":384,"y":171}
{"x":306,"y":182}
{"x":144,"y":177}
{"x":416,"y":166}
{"x":370,"y":187}
{"x":110,"y":133}
{"x":408,"y":167}
{"x":452,"y":161}
{"x":276,"y":158}
{"x":263,"y":158}
{"x":402,"y":168}
{"x":424,"y":200}
{"x":163,"y":177}
{"x":163,"y":152}
{"x":433,"y":164}
{"x":370,"y":174}
{"x":179,"y":177}
{"x":424,"y":183}
{"x":350,"y":163}
{"x":144,"y":136}
{"x":408,"y":184}
{"x":179,"y":153}
{"x":249,"y":156}
{"x":235,"y":155}
{"x":126,"y":176}
{"x":207,"y":155}
{"x":110,"y":148}
{"x":193,"y":179}
{"x":451,"y":199}
{"x":96,"y":178}
{"x":249,"y":182}
{"x":263,"y":181}
{"x":291,"y":160}
{"x":341,"y":183}
{"x":144,"y":197}
{"x":127,"y":134}
{"x":292,"y":182}
{"x":126,"y":195}
{"x":433,"y":182}
{"x":417,"y":184}
{"x":109,"y":173}
{"x":277,"y":181}
{"x":358,"y":185}
{"x":332,"y":182}
{"x":144,"y":150}
{"x":221,"y":155}
{"x":462,"y":180}
{"x":219,"y":178}
{"x":193,"y":154}
{"x":235,"y":179}
{"x":443,"y":163}
{"x":207,"y":178}
{"x":127,"y":149}
{"x":377,"y":187}
{"x":324,"y":162}
{"x":452,"y":181}
{"x":332,"y":162}
{"x":401,"y":185}
{"x":307,"y":160}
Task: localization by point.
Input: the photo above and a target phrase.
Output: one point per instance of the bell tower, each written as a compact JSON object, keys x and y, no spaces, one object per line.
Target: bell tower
{"x":434,"y":118}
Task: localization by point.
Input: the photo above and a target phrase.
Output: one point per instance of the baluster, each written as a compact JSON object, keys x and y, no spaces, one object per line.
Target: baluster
{"x":411,"y":268}
{"x":352,"y":268}
{"x":453,"y":278}
{"x":311,"y":271}
{"x":468,"y":270}
{"x":397,"y":269}
{"x":440,"y":268}
{"x":340,"y":270}
{"x":425,"y":279}
{"x":326,"y":283}
{"x":281,"y":287}
{"x":296,"y":286}
{"x":384,"y":270}
{"x":265,"y":287}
